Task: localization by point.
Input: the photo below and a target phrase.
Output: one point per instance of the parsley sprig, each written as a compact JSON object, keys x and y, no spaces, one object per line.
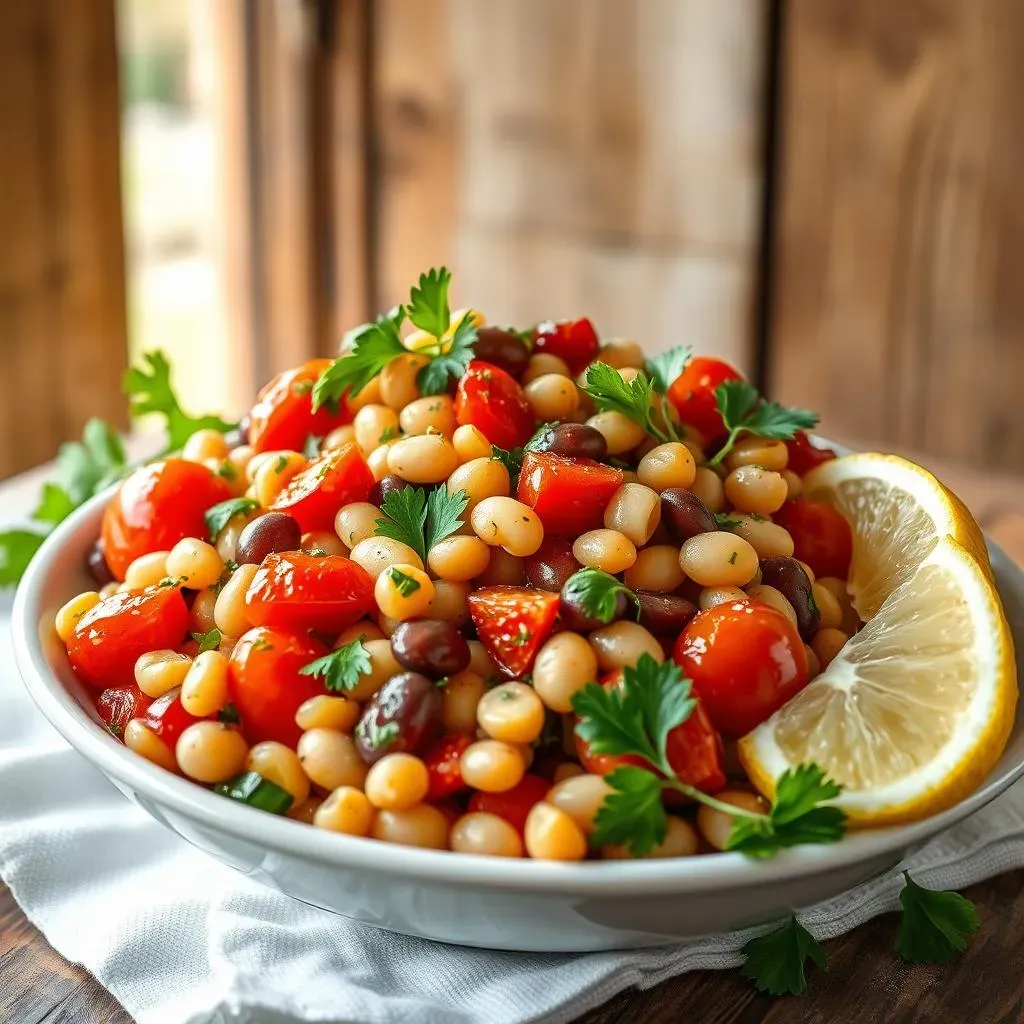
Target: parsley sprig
{"x":636,"y":719}
{"x":421,"y":519}
{"x":596,"y":591}
{"x":342,"y":669}
{"x":743,"y":412}
{"x":218,"y":516}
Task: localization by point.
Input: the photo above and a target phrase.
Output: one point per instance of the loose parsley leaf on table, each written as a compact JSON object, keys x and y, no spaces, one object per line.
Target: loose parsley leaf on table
{"x":743,"y":411}
{"x":342,"y":669}
{"x":933,"y":925}
{"x":597,"y":591}
{"x":775,"y":962}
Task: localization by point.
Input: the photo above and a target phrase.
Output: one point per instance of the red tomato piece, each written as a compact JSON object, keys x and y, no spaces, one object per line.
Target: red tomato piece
{"x":569,"y":495}
{"x":336,"y":478}
{"x":168,"y":718}
{"x":157,"y":506}
{"x":575,"y":341}
{"x":803,"y":456}
{"x":265,"y":685}
{"x":293,"y":590}
{"x":112,"y":635}
{"x":118,"y":705}
{"x":493,"y":402}
{"x":283,"y":416}
{"x":694,"y":749}
{"x":512,"y":623}
{"x":514,"y":804}
{"x":693,"y":394}
{"x":442,"y":760}
{"x":745,"y":659}
{"x":821,"y":536}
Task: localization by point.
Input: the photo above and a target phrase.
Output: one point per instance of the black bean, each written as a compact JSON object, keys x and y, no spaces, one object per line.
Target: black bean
{"x":504,"y":349}
{"x":574,"y":616}
{"x":96,"y":563}
{"x":275,"y":531}
{"x":551,"y":565}
{"x":787,"y":576}
{"x":685,"y":514}
{"x":401,"y":716}
{"x":430,"y":646}
{"x":385,"y":486}
{"x":573,"y":440}
{"x":664,"y":614}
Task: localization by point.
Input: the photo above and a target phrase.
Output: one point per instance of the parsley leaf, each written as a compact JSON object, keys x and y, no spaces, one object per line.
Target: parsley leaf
{"x":229,"y":714}
{"x":342,"y":669}
{"x":375,"y":735}
{"x":727,"y":522}
{"x":16,"y":550}
{"x":405,"y":516}
{"x":632,"y":814}
{"x":404,"y":583}
{"x":609,"y":391}
{"x":218,"y":516}
{"x":775,"y":962}
{"x":451,"y":361}
{"x":149,"y":390}
{"x":742,"y":412}
{"x":444,"y":511}
{"x":596,"y":591}
{"x":512,"y":458}
{"x":933,"y":925}
{"x":428,"y":306}
{"x":208,"y":641}
{"x":665,"y":367}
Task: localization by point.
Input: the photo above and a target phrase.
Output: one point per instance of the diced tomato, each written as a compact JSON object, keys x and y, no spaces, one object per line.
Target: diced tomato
{"x":167,"y":717}
{"x":336,"y":478}
{"x":118,"y":705}
{"x":492,"y":401}
{"x":293,"y":590}
{"x":694,"y":749}
{"x":265,"y":685}
{"x":512,"y":623}
{"x":112,"y":635}
{"x":821,"y":536}
{"x":745,"y":660}
{"x":514,"y":804}
{"x":803,"y":456}
{"x":157,"y":506}
{"x":575,"y":341}
{"x":693,"y":394}
{"x":442,"y":760}
{"x":283,"y":416}
{"x":568,"y":495}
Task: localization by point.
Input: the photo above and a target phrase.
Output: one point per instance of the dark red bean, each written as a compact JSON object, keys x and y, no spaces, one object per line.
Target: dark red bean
{"x":551,"y":566}
{"x":385,"y":486}
{"x":502,"y":348}
{"x":430,"y":646}
{"x":272,"y":532}
{"x":664,"y":614}
{"x":401,"y":716}
{"x":685,"y":514}
{"x":96,"y":563}
{"x":573,"y":440}
{"x":787,"y":576}
{"x":574,"y":616}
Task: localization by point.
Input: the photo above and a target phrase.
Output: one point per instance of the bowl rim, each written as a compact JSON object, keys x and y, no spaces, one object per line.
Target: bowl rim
{"x":297,"y":839}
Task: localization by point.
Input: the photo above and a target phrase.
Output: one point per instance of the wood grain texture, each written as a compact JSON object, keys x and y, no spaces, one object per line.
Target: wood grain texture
{"x":63,"y":332}
{"x":899,"y":249}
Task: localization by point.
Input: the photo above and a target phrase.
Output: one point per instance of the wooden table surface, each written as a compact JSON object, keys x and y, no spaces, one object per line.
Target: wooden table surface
{"x":865,"y":983}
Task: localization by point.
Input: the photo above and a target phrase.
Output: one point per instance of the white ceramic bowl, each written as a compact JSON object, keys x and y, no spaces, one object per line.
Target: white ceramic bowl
{"x":476,"y":901}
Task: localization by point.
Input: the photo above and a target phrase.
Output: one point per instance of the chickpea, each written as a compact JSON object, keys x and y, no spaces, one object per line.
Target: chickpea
{"x":564,"y":665}
{"x":423,"y":825}
{"x":768,"y":539}
{"x":458,"y":558}
{"x":68,"y":616}
{"x":146,"y":571}
{"x":346,"y":810}
{"x":667,"y":465}
{"x":774,"y":598}
{"x":507,"y":523}
{"x":230,"y":611}
{"x":681,"y":840}
{"x":831,"y":610}
{"x":502,"y":569}
{"x":398,"y":385}
{"x":512,"y":713}
{"x":356,"y":522}
{"x":710,"y":596}
{"x":203,"y":445}
{"x":621,"y":433}
{"x":656,"y":569}
{"x":480,"y":479}
{"x":758,"y":451}
{"x":281,"y":765}
{"x":552,"y":396}
{"x":827,"y":643}
{"x":306,"y":811}
{"x":158,"y":672}
{"x":195,"y":563}
{"x":449,"y":603}
{"x":383,"y":665}
{"x":470,"y":443}
{"x":211,"y":751}
{"x":622,"y":643}
{"x":369,"y":394}
{"x":716,"y":825}
{"x":487,"y":834}
{"x":403,"y":592}
{"x":609,"y":550}
{"x":375,"y":554}
{"x":377,"y":461}
{"x":397,"y":782}
{"x":635,"y":511}
{"x":794,"y":484}
{"x":322,"y":542}
{"x":141,"y":740}
{"x":363,"y":630}
{"x":813,"y":665}
{"x":434,"y":414}
{"x":425,"y":459}
{"x":755,"y":489}
{"x":551,"y":834}
{"x":459,"y":701}
{"x":204,"y":689}
{"x":227,"y":539}
{"x":480,"y":660}
{"x":543,"y":364}
{"x":707,"y":485}
{"x":492,"y":766}
{"x":718,"y":559}
{"x":620,"y":354}
{"x":239,"y":459}
{"x":580,"y":797}
{"x":274,"y":474}
{"x":373,"y":425}
{"x":340,"y":436}
{"x":327,"y":712}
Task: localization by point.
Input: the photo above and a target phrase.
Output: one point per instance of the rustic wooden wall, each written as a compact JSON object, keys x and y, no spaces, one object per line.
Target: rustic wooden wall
{"x":62,"y":306}
{"x":899,"y":308}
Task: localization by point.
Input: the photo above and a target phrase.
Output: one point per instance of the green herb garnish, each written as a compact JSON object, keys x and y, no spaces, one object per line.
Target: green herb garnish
{"x":743,"y":412}
{"x":218,"y":516}
{"x":342,"y":669}
{"x":252,"y":789}
{"x":597,"y":591}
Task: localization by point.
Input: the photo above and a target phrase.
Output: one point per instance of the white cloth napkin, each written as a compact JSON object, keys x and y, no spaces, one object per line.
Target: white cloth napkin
{"x":180,"y":939}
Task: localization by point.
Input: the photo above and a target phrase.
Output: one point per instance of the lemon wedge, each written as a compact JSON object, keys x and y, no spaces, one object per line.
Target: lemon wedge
{"x":898,"y":512}
{"x":915,"y":710}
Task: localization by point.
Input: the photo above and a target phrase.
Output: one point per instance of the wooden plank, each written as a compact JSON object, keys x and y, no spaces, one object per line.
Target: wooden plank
{"x":63,"y":331}
{"x":900,"y":247}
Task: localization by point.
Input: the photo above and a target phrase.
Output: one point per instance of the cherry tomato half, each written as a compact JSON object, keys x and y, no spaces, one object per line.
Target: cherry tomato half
{"x":338,"y":477}
{"x":492,"y":401}
{"x":693,"y":394}
{"x":803,"y":456}
{"x":514,"y":804}
{"x":293,"y":590}
{"x":112,"y":635}
{"x":569,"y":495}
{"x":512,"y":623}
{"x":265,"y":685}
{"x":157,"y":506}
{"x":575,"y":341}
{"x":745,"y":659}
{"x":118,"y":705}
{"x":167,"y":717}
{"x":821,"y":536}
{"x":283,"y":416}
{"x":442,"y":760}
